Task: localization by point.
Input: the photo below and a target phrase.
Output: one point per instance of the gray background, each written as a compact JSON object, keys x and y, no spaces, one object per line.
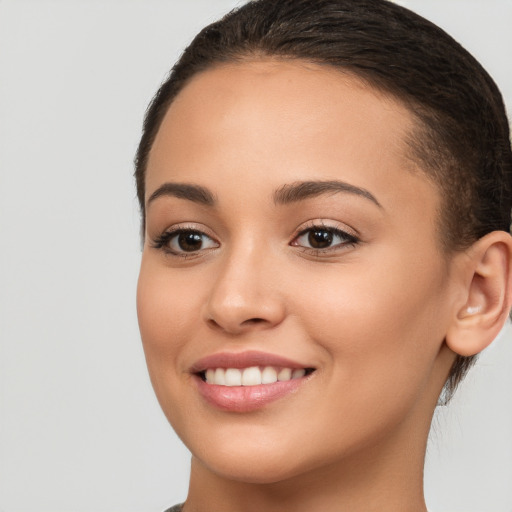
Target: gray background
{"x":80,"y":429}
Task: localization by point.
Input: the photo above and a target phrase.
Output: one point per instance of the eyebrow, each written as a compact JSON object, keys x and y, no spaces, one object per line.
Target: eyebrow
{"x":301,"y":190}
{"x":195,"y":193}
{"x":289,"y":193}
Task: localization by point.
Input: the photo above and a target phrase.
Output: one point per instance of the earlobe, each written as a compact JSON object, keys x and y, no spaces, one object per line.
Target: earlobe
{"x":487,"y":295}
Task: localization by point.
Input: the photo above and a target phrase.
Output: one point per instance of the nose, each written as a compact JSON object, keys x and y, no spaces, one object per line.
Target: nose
{"x":246,"y":294}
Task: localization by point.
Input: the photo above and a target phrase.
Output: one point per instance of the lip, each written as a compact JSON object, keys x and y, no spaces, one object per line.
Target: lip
{"x":245,"y":398}
{"x":244,"y":360}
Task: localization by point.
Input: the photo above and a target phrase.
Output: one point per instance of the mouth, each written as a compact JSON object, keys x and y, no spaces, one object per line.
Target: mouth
{"x":247,"y":381}
{"x":252,"y":375}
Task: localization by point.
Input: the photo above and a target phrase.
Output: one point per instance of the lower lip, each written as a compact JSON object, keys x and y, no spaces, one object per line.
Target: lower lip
{"x":246,"y":398}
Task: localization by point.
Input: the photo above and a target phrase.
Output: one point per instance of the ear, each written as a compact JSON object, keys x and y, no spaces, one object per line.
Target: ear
{"x":486,"y":294}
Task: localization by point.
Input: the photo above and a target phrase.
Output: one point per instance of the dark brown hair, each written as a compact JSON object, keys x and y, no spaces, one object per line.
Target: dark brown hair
{"x":462,"y":137}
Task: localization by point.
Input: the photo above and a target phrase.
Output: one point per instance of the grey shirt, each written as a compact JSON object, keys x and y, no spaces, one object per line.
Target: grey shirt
{"x":176,"y":508}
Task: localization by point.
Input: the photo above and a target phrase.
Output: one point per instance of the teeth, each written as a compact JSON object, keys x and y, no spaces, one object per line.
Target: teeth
{"x":252,"y":376}
{"x":210,"y":375}
{"x":233,"y":377}
{"x":268,"y":375}
{"x":298,"y":373}
{"x":220,"y":376}
{"x":284,"y":374}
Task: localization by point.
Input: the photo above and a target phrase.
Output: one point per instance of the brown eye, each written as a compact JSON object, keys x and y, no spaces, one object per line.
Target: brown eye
{"x":189,"y":241}
{"x":320,"y":238}
{"x":181,"y":241}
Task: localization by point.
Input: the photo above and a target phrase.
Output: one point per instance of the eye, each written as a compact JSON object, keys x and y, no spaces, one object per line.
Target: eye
{"x":184,"y":241}
{"x":320,"y":238}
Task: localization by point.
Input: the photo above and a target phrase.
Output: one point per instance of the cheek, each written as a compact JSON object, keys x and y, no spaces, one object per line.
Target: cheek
{"x":164,"y":305}
{"x":380,"y":319}
{"x":163,"y":310}
{"x":380,"y":333}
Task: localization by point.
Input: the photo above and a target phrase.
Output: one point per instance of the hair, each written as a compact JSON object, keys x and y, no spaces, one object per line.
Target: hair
{"x":461,"y":139}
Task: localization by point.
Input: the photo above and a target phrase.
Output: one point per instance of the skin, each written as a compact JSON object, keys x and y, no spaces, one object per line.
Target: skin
{"x":379,"y":320}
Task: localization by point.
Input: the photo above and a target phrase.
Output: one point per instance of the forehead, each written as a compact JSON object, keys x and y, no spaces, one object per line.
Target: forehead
{"x":273,"y":121}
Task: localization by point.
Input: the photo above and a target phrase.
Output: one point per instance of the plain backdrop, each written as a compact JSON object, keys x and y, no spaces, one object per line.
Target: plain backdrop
{"x":80,"y":430}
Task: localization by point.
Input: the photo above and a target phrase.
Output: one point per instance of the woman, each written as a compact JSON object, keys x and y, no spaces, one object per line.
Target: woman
{"x":326,"y":194}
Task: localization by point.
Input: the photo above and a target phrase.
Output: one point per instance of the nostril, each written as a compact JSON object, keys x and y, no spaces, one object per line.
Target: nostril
{"x":226,"y":326}
{"x":213,"y":323}
{"x":236,"y":321}
{"x":251,"y":321}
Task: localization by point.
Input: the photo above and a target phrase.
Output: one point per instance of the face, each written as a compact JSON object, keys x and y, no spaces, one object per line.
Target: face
{"x":289,"y":235}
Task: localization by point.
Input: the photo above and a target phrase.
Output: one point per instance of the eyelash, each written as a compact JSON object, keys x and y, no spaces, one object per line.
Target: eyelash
{"x":163,"y":241}
{"x":348,"y":240}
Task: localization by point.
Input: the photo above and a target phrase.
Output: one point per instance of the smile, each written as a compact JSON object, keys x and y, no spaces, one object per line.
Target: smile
{"x":247,"y":381}
{"x":252,"y":376}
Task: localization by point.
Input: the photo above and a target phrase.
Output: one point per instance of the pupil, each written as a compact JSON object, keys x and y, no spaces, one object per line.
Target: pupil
{"x":190,"y":241}
{"x":320,"y":239}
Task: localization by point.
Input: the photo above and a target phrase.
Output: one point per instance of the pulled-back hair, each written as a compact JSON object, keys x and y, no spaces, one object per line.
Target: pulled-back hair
{"x":461,"y":140}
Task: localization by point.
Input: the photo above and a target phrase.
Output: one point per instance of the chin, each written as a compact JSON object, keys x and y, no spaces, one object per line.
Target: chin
{"x":252,"y":455}
{"x":253,"y":468}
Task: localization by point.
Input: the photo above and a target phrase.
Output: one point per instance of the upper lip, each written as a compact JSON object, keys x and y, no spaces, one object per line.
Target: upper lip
{"x":243,"y":360}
